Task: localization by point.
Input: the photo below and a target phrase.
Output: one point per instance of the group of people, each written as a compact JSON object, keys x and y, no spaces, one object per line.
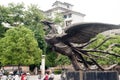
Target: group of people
{"x":48,"y":76}
{"x":12,"y":76}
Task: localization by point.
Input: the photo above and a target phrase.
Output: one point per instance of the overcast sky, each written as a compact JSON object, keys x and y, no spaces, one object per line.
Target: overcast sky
{"x":107,"y":11}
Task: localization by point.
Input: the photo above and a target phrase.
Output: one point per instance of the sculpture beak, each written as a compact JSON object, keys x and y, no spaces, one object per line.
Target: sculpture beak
{"x":46,"y":22}
{"x":47,"y":37}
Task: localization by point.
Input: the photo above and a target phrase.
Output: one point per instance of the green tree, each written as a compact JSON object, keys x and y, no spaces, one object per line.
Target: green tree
{"x":12,"y":14}
{"x":62,"y":60}
{"x":2,"y":31}
{"x":53,"y":59}
{"x":17,"y":14}
{"x":4,"y":11}
{"x":19,"y":47}
{"x":3,"y":17}
{"x":58,"y":19}
{"x":110,"y":44}
{"x":50,"y":57}
{"x":32,"y":19}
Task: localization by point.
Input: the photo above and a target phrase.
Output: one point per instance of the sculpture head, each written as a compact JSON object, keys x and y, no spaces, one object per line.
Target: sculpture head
{"x":52,"y":35}
{"x":51,"y":39}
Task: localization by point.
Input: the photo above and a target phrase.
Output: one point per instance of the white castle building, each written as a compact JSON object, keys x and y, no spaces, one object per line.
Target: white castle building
{"x":70,"y":16}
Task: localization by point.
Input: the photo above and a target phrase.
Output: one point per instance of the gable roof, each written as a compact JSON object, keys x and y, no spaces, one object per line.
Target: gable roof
{"x":58,"y":2}
{"x":65,"y":11}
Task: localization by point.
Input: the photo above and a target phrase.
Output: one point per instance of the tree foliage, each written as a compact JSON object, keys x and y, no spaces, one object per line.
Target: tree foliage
{"x":3,"y":14}
{"x":55,"y":59}
{"x":62,"y":60}
{"x":19,"y":47}
{"x":17,"y":14}
{"x":2,"y":31}
{"x":33,"y":16}
{"x":12,"y":14}
{"x":50,"y":57}
{"x":58,"y":19}
{"x":3,"y":17}
{"x":110,"y":44}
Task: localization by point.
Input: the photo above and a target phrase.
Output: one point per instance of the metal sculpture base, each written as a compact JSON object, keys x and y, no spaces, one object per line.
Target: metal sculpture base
{"x":91,"y":75}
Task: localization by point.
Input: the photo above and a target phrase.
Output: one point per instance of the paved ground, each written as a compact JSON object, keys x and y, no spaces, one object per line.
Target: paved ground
{"x":57,"y":77}
{"x":35,"y":77}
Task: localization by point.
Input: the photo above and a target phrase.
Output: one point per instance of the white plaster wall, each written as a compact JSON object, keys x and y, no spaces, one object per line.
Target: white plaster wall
{"x":77,"y":18}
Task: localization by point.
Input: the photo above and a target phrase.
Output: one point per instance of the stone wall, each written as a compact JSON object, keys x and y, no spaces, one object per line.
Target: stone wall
{"x":91,"y":75}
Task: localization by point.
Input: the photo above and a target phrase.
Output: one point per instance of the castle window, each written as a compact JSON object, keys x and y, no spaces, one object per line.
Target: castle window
{"x":69,"y":15}
{"x":68,"y":23}
{"x":68,"y":6}
{"x":65,"y":16}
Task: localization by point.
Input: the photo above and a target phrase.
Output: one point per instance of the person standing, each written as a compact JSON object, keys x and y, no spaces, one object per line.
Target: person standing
{"x":16,"y":77}
{"x":23,"y":76}
{"x":51,"y":77}
{"x":4,"y":77}
{"x":46,"y":77}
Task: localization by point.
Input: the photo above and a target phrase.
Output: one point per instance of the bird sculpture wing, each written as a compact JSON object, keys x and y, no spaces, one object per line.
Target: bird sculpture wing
{"x":82,"y":33}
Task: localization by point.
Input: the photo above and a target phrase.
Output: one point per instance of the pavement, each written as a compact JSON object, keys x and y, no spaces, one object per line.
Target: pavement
{"x":57,"y":77}
{"x":35,"y":77}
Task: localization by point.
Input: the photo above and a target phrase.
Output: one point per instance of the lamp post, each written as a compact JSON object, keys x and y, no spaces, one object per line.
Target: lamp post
{"x":43,"y":65}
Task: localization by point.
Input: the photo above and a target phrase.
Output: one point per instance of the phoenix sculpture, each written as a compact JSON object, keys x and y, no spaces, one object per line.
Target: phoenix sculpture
{"x":74,"y":39}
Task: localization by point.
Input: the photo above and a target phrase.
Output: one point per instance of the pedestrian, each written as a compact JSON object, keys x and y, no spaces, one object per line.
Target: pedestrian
{"x":27,"y":76}
{"x":23,"y":76}
{"x":10,"y":76}
{"x":46,"y":76}
{"x":51,"y":77}
{"x":1,"y":75}
{"x":4,"y":77}
{"x":16,"y":77}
